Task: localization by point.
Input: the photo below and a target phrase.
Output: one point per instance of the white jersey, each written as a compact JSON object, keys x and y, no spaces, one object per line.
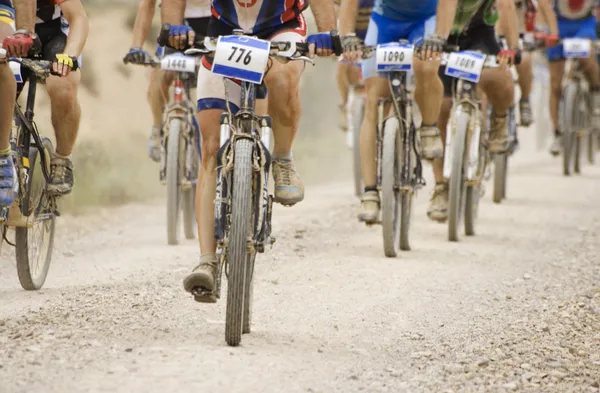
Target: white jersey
{"x":197,"y":9}
{"x":574,"y":9}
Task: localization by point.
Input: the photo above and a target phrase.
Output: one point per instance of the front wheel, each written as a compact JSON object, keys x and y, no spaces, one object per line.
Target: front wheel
{"x":175,"y":159}
{"x":237,"y":252}
{"x":34,"y":245}
{"x":405,"y":215}
{"x":568,"y":108}
{"x":390,"y":185}
{"x":591,"y":146}
{"x":457,"y":182}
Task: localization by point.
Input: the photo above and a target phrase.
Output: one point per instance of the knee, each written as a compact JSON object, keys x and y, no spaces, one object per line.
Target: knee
{"x":210,"y":146}
{"x":63,"y":94}
{"x":426,"y":72}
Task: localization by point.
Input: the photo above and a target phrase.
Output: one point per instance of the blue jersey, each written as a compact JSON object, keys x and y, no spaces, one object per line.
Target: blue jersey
{"x":257,"y":15}
{"x":405,"y":10}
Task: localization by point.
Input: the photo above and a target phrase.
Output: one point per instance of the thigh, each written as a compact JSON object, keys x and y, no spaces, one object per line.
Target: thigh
{"x":421,"y":30}
{"x":7,"y":20}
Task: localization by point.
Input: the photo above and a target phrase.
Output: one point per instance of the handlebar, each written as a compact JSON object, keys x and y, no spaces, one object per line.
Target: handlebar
{"x":285,"y":49}
{"x":41,"y":68}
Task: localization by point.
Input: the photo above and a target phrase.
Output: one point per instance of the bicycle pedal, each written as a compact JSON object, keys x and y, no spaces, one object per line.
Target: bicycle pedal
{"x":203,"y":296}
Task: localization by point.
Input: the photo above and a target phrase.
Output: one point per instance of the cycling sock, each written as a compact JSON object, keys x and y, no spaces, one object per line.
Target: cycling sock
{"x":370,"y":188}
{"x":287,"y":156}
{"x":208,"y":257}
{"x":61,"y":156}
{"x":5,"y":152}
{"x":525,"y":99}
{"x":426,"y":125}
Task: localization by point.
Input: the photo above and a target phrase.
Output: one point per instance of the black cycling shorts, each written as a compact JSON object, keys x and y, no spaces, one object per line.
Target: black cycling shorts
{"x":481,"y":38}
{"x":53,"y":35}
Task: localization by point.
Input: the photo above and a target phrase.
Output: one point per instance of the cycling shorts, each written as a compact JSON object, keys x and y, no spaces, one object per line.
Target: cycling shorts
{"x":481,"y":38}
{"x":7,"y":15}
{"x":383,"y":30}
{"x":567,"y":28}
{"x":211,"y":88}
{"x":200,"y":27}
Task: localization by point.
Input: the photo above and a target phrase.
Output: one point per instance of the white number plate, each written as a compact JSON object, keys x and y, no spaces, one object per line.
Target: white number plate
{"x":178,"y":63}
{"x":241,"y":57}
{"x":394,"y":57}
{"x":576,"y":47}
{"x":465,"y":65}
{"x":16,"y":70}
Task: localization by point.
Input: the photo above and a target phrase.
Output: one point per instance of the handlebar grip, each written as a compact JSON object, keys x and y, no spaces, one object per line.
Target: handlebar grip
{"x":337,"y":42}
{"x":75,"y":65}
{"x":302,"y":47}
{"x":451,"y":48}
{"x":163,"y":36}
{"x":518,"y":57}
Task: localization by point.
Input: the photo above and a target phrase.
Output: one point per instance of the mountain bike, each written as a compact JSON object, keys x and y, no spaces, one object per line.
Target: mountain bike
{"x":180,"y":145}
{"x":465,"y":158}
{"x":243,"y":205}
{"x":574,"y":107}
{"x":399,"y":168}
{"x":33,"y":214}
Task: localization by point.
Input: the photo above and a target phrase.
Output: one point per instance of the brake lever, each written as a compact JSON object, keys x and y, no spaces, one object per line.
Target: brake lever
{"x":196,"y":51}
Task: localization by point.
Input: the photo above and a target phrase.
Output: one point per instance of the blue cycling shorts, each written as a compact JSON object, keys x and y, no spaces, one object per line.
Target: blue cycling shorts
{"x":383,"y":30}
{"x":567,"y":28}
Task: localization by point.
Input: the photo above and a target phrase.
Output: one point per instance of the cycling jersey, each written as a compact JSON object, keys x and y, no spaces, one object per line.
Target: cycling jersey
{"x":255,"y":16}
{"x":574,"y":9}
{"x":474,"y":13}
{"x":405,"y":10}
{"x":197,"y":9}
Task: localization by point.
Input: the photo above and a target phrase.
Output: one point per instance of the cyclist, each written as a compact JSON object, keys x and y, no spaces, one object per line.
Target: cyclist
{"x":59,"y":28}
{"x":197,"y":15}
{"x":9,"y":186}
{"x":349,"y":74}
{"x":391,"y":21}
{"x":473,"y":29}
{"x":575,"y":20}
{"x":281,"y":20}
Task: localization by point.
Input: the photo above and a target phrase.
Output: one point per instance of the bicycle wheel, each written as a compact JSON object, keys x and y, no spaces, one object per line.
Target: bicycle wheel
{"x":591,"y":146}
{"x":358,"y":112}
{"x":390,"y":181}
{"x":457,"y":182}
{"x":405,"y":216}
{"x":33,"y":264}
{"x":175,"y":159}
{"x":500,"y":167}
{"x":188,"y":199}
{"x":249,"y":294}
{"x":237,"y":253}
{"x":568,"y":108}
{"x":577,"y":154}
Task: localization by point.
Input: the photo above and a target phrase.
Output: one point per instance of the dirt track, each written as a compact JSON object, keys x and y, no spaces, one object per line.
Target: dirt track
{"x":515,"y":308}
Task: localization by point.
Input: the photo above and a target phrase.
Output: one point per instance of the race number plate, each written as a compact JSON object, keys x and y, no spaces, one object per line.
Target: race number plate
{"x":178,"y":63}
{"x":576,"y":47}
{"x":16,"y":70}
{"x":465,"y":65}
{"x":394,"y":57}
{"x":241,"y":57}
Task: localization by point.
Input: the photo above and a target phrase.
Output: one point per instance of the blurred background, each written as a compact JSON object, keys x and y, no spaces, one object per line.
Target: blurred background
{"x":111,"y":162}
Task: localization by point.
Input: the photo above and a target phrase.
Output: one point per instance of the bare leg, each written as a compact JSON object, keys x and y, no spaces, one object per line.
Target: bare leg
{"x":66,"y":111}
{"x":557,"y":69}
{"x":8,"y":91}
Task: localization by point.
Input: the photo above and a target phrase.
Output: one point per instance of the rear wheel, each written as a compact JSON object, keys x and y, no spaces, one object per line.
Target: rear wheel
{"x":175,"y":160}
{"x":34,"y":245}
{"x":390,"y":182}
{"x":457,"y":182}
{"x":568,"y":107}
{"x":591,"y":146}
{"x":237,"y":253}
{"x":358,"y":111}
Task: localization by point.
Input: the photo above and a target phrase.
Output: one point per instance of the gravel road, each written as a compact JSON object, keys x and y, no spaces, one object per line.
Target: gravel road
{"x":516,"y":308}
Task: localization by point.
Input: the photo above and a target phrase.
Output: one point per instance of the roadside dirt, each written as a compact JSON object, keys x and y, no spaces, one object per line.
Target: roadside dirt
{"x":515,"y":308}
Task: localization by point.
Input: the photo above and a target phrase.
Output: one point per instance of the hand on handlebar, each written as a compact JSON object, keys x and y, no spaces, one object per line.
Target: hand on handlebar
{"x":63,"y":64}
{"x":507,"y":57}
{"x":137,"y":56}
{"x":181,"y":37}
{"x":320,"y":44}
{"x":22,"y":44}
{"x":551,"y":40}
{"x":430,"y":48}
{"x":352,"y":46}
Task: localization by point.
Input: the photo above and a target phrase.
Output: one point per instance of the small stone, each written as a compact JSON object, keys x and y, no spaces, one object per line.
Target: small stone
{"x":320,"y":350}
{"x":526,"y":276}
{"x":483,"y":362}
{"x":508,"y":297}
{"x":421,"y":354}
{"x":69,"y":254}
{"x":527,"y":376}
{"x":353,"y":377}
{"x":558,"y":374}
{"x":128,"y":349}
{"x":511,"y":386}
{"x":526,"y":366}
{"x":596,"y":384}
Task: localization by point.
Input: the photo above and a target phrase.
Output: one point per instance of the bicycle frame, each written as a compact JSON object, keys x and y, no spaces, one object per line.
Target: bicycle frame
{"x":402,"y":106}
{"x":245,"y":124}
{"x":465,"y":101}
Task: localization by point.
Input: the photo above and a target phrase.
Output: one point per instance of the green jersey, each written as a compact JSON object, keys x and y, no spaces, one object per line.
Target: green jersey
{"x":472,"y":13}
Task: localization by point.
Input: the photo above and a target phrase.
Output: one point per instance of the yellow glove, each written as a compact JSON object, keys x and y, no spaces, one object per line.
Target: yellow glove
{"x":64,"y":64}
